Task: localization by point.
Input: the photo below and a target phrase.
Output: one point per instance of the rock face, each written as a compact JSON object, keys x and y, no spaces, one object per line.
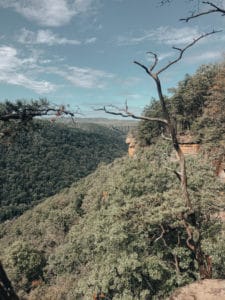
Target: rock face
{"x":188,"y":143}
{"x":208,"y":289}
{"x":131,"y":141}
{"x":190,"y":148}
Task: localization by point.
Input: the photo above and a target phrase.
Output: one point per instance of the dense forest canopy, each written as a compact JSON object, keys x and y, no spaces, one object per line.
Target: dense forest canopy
{"x":41,"y":158}
{"x":117,"y":231}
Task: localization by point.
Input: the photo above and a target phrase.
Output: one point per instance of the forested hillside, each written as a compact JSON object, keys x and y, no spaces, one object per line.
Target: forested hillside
{"x":44,"y":158}
{"x":117,"y":231}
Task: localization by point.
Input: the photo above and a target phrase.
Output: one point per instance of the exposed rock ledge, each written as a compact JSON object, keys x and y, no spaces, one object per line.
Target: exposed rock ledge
{"x":208,"y":289}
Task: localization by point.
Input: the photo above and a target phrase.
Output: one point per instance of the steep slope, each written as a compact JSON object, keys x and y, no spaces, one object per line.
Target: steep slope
{"x":116,"y":232}
{"x":41,"y":160}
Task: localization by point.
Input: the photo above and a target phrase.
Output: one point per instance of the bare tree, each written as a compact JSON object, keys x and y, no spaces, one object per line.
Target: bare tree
{"x":167,"y":119}
{"x":189,"y":219}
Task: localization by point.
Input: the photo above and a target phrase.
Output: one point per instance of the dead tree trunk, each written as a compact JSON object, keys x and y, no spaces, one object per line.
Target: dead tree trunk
{"x":189,"y":219}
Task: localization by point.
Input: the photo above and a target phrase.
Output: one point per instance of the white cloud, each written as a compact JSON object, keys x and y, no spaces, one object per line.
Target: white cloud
{"x":48,"y":12}
{"x":85,"y":77}
{"x":12,"y":71}
{"x":40,"y":87}
{"x":46,"y":37}
{"x":90,"y":40}
{"x":26,"y":72}
{"x":163,"y":35}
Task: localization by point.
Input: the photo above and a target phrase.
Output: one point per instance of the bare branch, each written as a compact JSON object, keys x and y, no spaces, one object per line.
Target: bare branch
{"x":126,"y":114}
{"x":189,"y":240}
{"x":161,"y":236}
{"x":176,"y":263}
{"x":155,"y":60}
{"x":182,"y":50}
{"x":215,"y":9}
{"x":178,"y":174}
{"x":165,"y":137}
{"x":143,"y":67}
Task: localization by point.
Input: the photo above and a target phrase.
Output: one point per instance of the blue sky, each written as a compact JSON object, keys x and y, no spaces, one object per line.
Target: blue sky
{"x":81,"y":52}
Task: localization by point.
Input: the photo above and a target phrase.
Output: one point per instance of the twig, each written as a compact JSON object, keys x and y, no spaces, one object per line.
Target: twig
{"x":215,"y":9}
{"x":182,"y":50}
{"x":161,"y":236}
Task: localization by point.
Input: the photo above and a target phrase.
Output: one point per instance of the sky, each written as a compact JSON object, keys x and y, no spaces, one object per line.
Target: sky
{"x":80,"y":52}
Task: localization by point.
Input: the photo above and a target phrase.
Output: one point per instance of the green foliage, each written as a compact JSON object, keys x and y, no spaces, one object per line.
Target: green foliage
{"x":189,"y":98}
{"x":118,"y":230}
{"x":149,"y":131}
{"x":44,"y":158}
{"x":26,"y":262}
{"x":9,"y":107}
{"x":196,"y":104}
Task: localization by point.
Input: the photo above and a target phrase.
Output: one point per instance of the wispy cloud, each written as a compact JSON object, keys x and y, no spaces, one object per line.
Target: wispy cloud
{"x":12,"y":71}
{"x":207,"y":56}
{"x":25,"y":71}
{"x":46,"y":37}
{"x":163,"y":35}
{"x":48,"y":13}
{"x":84,"y":77}
{"x":127,"y":82}
{"x":91,"y":40}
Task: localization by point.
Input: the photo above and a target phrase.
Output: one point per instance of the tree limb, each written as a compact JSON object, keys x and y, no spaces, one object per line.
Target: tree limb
{"x":215,"y":9}
{"x":143,"y":67}
{"x":26,"y":113}
{"x":161,"y":236}
{"x":155,"y":60}
{"x":190,"y":237}
{"x":126,"y":114}
{"x":182,"y":50}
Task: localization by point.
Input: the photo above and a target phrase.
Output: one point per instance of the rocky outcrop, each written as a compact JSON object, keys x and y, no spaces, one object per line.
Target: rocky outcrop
{"x":188,"y":143}
{"x":132,"y":145}
{"x":190,"y":149}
